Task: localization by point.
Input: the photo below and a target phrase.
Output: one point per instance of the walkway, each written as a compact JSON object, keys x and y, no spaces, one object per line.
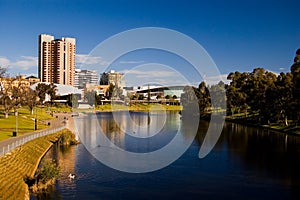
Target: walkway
{"x":56,"y":124}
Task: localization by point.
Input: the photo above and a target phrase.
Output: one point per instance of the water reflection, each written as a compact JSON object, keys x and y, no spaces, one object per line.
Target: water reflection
{"x":132,"y":151}
{"x":65,"y":158}
{"x":246,"y":163}
{"x":270,"y":154}
{"x":140,"y":135}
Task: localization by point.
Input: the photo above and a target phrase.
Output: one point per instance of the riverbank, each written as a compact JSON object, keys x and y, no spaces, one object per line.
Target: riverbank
{"x":22,"y":163}
{"x":137,"y":107}
{"x":291,"y":130}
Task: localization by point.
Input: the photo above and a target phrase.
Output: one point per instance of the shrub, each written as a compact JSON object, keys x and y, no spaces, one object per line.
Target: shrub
{"x":49,"y":171}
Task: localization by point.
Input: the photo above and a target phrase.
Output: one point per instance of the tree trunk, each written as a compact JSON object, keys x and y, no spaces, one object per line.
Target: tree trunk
{"x":5,"y":115}
{"x":286,"y":121}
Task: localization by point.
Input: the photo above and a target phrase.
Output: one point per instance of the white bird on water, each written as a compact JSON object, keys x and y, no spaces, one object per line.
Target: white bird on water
{"x":71,"y":176}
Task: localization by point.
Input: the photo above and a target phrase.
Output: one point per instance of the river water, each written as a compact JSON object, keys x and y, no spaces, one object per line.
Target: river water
{"x":246,"y":163}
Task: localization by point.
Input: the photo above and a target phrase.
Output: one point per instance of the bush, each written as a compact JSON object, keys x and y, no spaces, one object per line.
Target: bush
{"x":67,"y":138}
{"x":49,"y":171}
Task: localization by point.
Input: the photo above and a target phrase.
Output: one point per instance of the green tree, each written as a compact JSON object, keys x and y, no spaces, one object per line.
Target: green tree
{"x":12,"y":94}
{"x":258,"y":83}
{"x":280,"y":98}
{"x":18,"y":93}
{"x":52,"y":92}
{"x":236,"y":96}
{"x":98,"y":99}
{"x":110,"y":90}
{"x":203,"y":96}
{"x":140,"y":97}
{"x":90,"y":97}
{"x":133,"y":97}
{"x":218,"y":95}
{"x":41,"y":91}
{"x":72,"y":100}
{"x":295,"y":70}
{"x":189,"y":101}
{"x":49,"y":171}
{"x":31,"y":99}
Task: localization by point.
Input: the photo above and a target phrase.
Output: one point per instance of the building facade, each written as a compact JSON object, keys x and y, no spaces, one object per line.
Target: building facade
{"x":56,"y":59}
{"x":112,"y":77}
{"x":83,"y":77}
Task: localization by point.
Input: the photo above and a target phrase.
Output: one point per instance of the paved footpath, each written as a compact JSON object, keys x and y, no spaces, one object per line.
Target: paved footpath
{"x":60,"y":120}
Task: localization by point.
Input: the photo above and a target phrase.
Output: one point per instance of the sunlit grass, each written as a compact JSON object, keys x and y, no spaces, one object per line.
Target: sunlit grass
{"x":25,"y":121}
{"x":137,"y":107}
{"x":21,"y":163}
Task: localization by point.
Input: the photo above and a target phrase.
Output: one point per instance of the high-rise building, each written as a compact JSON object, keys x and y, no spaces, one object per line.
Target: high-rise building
{"x":83,"y":77}
{"x":57,"y":59}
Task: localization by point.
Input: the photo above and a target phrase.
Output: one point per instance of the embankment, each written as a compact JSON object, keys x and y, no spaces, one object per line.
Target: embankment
{"x":23,"y":162}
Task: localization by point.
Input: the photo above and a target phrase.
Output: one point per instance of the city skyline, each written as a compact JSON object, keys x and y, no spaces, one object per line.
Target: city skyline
{"x":239,"y":36}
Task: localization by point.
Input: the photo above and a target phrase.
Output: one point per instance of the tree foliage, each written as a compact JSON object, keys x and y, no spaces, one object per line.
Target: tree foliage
{"x":271,"y":97}
{"x":42,"y":89}
{"x":90,"y":97}
{"x":31,"y":99}
{"x":2,"y":71}
{"x":48,"y":171}
{"x":261,"y":92}
{"x":12,"y":94}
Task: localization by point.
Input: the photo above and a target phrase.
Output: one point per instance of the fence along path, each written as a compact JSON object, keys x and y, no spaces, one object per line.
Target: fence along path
{"x":59,"y":123}
{"x":12,"y":143}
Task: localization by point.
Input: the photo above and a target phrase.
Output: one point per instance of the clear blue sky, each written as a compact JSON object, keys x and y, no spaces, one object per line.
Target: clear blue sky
{"x":238,"y":35}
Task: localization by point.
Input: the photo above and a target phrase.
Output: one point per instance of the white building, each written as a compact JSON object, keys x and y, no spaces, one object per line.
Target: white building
{"x":83,"y":77}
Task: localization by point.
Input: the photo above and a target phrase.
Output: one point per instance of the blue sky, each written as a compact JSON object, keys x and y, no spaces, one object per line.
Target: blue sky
{"x":238,"y":35}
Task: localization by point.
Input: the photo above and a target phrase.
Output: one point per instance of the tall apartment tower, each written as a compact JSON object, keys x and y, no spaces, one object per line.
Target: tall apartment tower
{"x":57,"y":59}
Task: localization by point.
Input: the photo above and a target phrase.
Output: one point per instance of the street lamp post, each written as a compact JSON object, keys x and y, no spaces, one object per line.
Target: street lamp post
{"x":35,"y":119}
{"x":16,"y":121}
{"x":16,"y":115}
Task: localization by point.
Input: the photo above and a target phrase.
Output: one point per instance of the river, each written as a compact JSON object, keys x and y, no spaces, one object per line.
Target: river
{"x":246,"y":163}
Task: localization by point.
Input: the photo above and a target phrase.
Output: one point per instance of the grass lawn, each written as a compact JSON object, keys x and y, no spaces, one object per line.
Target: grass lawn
{"x":25,"y":121}
{"x":137,"y":107}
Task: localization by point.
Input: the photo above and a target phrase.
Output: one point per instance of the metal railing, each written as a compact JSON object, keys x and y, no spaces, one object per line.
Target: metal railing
{"x":4,"y":149}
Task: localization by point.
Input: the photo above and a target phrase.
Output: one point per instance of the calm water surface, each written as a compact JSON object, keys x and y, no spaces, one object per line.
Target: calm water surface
{"x":246,"y":163}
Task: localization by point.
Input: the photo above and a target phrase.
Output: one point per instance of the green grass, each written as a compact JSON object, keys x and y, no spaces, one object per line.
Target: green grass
{"x":137,"y":107}
{"x":21,"y":163}
{"x":25,"y":121}
{"x":59,"y":109}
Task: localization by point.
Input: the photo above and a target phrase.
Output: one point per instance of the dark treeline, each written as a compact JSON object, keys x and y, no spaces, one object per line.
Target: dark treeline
{"x":260,"y":94}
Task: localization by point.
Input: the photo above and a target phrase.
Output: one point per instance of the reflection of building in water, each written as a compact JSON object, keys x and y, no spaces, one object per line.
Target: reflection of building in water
{"x":88,"y":129}
{"x":113,"y":131}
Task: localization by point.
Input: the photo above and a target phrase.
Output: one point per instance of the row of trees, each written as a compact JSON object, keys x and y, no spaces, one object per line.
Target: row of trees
{"x":15,"y":92}
{"x":271,"y":97}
